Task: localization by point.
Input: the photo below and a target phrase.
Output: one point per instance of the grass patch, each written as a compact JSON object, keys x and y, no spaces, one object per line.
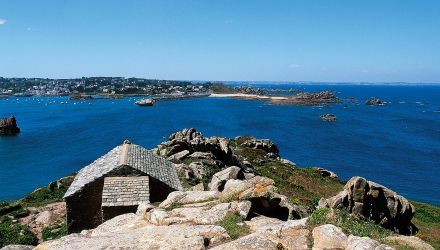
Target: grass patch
{"x":15,"y":233}
{"x":303,"y":186}
{"x":319,"y":216}
{"x":350,"y":225}
{"x":231,"y":224}
{"x":54,"y":231}
{"x":51,"y":193}
{"x":427,"y":219}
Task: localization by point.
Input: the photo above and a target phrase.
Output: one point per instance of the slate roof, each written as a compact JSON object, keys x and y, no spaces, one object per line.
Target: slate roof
{"x":125,"y":191}
{"x":130,"y":155}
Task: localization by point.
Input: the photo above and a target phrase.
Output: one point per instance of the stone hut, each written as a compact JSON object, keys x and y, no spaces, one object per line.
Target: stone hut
{"x":117,"y":183}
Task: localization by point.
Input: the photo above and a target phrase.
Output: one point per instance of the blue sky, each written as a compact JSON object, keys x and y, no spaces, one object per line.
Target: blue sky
{"x":309,"y":40}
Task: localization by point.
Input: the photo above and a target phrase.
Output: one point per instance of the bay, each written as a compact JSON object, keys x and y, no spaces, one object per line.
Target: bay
{"x":396,"y":145}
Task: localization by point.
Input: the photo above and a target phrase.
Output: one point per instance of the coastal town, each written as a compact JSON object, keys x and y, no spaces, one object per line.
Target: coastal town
{"x":87,"y":88}
{"x":98,"y":86}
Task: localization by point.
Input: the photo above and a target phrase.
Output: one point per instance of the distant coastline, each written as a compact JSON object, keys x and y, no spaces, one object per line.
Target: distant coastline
{"x":248,"y":96}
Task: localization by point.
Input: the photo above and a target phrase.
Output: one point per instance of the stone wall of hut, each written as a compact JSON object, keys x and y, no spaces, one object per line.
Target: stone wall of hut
{"x":84,"y":207}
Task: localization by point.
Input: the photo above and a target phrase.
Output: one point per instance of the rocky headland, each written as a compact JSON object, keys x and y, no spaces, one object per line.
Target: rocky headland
{"x":8,"y":126}
{"x":238,"y":194}
{"x":309,"y":99}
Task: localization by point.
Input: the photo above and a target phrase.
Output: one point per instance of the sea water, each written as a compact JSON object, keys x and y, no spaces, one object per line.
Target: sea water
{"x":396,"y":145}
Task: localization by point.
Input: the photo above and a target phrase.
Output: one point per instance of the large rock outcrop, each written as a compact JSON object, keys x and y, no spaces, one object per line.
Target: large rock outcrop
{"x":8,"y":126}
{"x":197,"y":158}
{"x":376,"y":202}
{"x":196,"y":220}
{"x":208,"y":155}
{"x":132,"y":232}
{"x":226,"y":186}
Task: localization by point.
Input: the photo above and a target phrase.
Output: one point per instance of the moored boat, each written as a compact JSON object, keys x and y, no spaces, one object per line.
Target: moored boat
{"x":145,"y":102}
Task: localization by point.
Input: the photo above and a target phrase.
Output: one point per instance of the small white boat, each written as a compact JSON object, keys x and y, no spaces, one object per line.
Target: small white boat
{"x":145,"y":102}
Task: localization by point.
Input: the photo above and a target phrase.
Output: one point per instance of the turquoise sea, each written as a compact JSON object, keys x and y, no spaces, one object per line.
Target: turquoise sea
{"x":397,"y":145}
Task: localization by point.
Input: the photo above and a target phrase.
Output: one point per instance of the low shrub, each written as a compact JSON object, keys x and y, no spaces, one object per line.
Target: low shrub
{"x":15,"y":234}
{"x":6,"y":207}
{"x":427,"y":219}
{"x":20,"y":213}
{"x":350,"y":225}
{"x":54,"y":232}
{"x":231,"y":224}
{"x":51,"y":193}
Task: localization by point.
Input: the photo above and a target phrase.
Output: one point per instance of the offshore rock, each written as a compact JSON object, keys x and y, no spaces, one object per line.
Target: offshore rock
{"x":328,"y":117}
{"x":376,"y":202}
{"x":309,"y":99}
{"x":8,"y":126}
{"x":374,"y":102}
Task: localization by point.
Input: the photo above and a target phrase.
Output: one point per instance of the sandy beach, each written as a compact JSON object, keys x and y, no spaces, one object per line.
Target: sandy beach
{"x":249,"y":96}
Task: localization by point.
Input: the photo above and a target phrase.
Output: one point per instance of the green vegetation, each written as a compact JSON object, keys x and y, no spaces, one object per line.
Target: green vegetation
{"x":54,"y":231}
{"x":232,"y":225}
{"x":221,"y":88}
{"x":303,"y":186}
{"x":12,"y":232}
{"x":19,"y":213}
{"x":51,"y":193}
{"x":306,"y":186}
{"x":427,"y":219}
{"x":350,"y":225}
{"x":7,"y":207}
{"x":15,"y":233}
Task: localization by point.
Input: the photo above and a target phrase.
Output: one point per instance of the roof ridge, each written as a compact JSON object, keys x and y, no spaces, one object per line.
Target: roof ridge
{"x":123,"y":157}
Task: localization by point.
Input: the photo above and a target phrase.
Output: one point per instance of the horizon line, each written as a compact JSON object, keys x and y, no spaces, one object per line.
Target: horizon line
{"x":275,"y":82}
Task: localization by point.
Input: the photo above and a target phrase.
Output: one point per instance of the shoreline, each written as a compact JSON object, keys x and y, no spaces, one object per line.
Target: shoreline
{"x":248,"y":96}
